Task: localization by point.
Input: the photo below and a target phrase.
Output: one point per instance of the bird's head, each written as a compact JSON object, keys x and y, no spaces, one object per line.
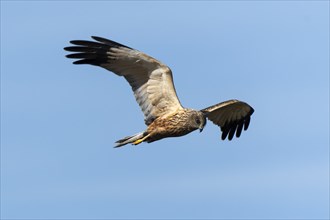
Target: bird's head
{"x":198,"y":120}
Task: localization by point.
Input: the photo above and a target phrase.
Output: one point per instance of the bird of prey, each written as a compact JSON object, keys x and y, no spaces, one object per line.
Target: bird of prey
{"x":152,"y":84}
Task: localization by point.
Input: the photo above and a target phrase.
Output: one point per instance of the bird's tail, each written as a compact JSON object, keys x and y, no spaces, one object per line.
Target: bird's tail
{"x":134,"y":139}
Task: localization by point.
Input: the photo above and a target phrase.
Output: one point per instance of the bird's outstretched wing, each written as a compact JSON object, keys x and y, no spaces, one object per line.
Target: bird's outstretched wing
{"x":231,"y":116}
{"x":151,"y":80}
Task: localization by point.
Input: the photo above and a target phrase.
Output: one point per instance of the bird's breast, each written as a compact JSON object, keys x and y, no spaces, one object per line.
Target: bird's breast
{"x":173,"y":126}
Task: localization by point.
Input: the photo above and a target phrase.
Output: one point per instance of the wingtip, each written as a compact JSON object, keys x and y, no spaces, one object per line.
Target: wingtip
{"x":69,"y":56}
{"x":73,"y":41}
{"x":83,"y":61}
{"x":95,"y":37}
{"x":247,"y":123}
{"x":252,"y":110}
{"x":101,"y":39}
{"x":118,"y":145}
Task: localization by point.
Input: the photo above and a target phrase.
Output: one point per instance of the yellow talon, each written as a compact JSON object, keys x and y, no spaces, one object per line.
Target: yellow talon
{"x":141,"y":140}
{"x":138,"y":141}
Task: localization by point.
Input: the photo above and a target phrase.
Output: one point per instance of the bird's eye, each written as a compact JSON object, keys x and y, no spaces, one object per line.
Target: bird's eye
{"x":197,"y":121}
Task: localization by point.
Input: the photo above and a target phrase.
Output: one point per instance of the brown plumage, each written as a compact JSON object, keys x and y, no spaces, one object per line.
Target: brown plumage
{"x":153,"y":87}
{"x":178,"y":124}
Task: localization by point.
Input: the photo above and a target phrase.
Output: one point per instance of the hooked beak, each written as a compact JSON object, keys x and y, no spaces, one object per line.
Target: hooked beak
{"x":201,"y":126}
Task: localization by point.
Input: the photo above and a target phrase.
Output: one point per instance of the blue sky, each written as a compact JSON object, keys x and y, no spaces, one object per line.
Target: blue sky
{"x":59,"y":121}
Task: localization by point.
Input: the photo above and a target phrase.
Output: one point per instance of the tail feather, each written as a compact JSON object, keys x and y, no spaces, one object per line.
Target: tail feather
{"x":129,"y":139}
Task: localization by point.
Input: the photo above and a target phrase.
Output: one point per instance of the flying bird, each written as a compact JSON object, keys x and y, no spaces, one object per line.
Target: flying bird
{"x":154,"y":91}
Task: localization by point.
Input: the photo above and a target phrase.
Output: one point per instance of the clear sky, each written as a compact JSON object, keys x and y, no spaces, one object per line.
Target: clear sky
{"x":59,"y":121}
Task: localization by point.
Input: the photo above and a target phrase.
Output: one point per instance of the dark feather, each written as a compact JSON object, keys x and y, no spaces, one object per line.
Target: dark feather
{"x":224,"y":133}
{"x":246,"y":123}
{"x":84,"y":49}
{"x":232,"y":131}
{"x":239,"y":128}
{"x":109,"y":42}
{"x":94,"y":53}
{"x":94,"y":62}
{"x":83,"y":55}
{"x":86,"y":43}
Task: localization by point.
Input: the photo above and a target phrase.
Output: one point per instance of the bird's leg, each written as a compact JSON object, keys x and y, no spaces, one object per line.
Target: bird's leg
{"x":141,"y":139}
